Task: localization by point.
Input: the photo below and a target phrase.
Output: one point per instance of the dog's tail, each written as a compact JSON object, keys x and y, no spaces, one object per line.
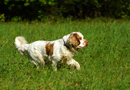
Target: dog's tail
{"x":21,"y":44}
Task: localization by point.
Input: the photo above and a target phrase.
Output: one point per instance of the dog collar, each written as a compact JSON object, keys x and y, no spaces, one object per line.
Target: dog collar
{"x":67,"y":46}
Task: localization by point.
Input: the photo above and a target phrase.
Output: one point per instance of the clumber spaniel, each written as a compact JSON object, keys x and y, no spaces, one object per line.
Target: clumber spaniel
{"x":58,"y":51}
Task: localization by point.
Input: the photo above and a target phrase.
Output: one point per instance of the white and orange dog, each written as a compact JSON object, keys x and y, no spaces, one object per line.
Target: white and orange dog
{"x":58,"y":51}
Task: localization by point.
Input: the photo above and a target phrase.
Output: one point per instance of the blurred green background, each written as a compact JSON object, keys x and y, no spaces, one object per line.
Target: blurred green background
{"x":17,"y":10}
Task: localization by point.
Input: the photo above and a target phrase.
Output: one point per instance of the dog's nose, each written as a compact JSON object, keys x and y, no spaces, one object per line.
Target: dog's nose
{"x":86,"y":42}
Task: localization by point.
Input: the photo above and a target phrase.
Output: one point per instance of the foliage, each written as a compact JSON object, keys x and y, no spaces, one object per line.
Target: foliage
{"x":104,"y":62}
{"x":2,"y":17}
{"x":38,"y":9}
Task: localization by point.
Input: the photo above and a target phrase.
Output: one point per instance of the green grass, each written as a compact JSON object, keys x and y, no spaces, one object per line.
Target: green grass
{"x":105,"y":62}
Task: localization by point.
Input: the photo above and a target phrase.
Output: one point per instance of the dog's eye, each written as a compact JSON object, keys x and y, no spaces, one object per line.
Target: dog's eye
{"x":72,"y":45}
{"x":80,"y":38}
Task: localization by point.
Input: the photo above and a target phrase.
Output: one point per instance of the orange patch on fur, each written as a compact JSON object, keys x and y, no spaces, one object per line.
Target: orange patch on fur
{"x":49,"y":49}
{"x":74,"y":39}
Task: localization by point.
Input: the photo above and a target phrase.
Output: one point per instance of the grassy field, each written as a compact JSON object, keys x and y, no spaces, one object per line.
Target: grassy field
{"x":105,"y":62}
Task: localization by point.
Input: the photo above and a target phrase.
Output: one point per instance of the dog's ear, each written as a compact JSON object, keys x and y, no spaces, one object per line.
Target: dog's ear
{"x":74,"y":39}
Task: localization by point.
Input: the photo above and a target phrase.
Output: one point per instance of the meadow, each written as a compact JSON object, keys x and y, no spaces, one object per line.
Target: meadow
{"x":105,"y":62}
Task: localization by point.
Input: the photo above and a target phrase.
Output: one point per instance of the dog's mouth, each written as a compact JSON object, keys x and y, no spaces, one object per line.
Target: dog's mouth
{"x":85,"y":45}
{"x":82,"y":47}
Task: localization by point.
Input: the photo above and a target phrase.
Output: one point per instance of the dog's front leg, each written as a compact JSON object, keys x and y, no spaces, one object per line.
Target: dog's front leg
{"x":54,"y":65}
{"x":73,"y":63}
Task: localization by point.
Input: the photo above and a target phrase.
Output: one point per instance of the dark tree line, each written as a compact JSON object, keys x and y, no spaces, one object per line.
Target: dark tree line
{"x":78,"y":9}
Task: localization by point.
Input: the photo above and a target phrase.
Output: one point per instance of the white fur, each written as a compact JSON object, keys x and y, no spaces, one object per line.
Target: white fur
{"x":37,"y":51}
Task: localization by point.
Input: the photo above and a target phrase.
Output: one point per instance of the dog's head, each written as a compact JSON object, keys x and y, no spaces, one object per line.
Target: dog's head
{"x":75,"y":41}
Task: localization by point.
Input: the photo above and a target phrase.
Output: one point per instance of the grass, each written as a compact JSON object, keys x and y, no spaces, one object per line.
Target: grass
{"x":105,"y":63}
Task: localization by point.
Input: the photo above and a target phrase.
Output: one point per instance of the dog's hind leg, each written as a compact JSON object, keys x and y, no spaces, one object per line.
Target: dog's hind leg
{"x":36,"y":57}
{"x":36,"y":64}
{"x":39,"y":57}
{"x":54,"y":65}
{"x":39,"y":62}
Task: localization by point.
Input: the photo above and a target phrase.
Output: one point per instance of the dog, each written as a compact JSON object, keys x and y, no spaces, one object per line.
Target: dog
{"x":57,"y":51}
